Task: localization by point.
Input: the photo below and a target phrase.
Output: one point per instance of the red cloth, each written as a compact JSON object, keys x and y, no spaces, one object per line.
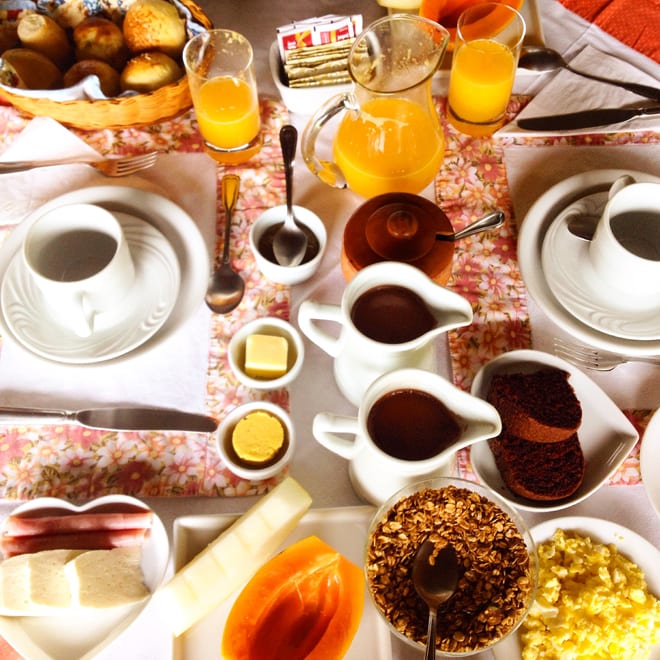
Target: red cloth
{"x":635,"y":23}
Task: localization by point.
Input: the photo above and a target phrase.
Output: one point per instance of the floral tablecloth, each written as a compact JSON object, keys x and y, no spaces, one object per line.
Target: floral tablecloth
{"x":78,"y":463}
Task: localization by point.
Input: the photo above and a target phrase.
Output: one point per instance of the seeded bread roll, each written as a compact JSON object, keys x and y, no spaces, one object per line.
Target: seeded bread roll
{"x":98,"y":38}
{"x":539,"y":406}
{"x":539,"y":471}
{"x":154,"y":25}
{"x":108,"y":77}
{"x":32,"y":69}
{"x":149,"y":71}
{"x":43,"y":34}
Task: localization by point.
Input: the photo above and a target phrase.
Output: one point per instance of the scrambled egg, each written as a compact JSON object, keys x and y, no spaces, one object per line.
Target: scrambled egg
{"x":592,"y":603}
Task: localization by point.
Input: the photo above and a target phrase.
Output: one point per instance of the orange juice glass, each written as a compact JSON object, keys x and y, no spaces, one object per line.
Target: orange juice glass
{"x":220,"y":69}
{"x":488,"y":40}
{"x":389,"y":137}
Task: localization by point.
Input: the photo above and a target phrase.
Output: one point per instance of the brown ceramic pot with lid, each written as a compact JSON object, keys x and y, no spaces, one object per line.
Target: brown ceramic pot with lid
{"x":398,"y":227}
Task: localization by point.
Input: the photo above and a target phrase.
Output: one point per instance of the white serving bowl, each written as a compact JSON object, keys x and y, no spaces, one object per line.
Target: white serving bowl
{"x":228,"y":455}
{"x":606,"y":435}
{"x":268,"y":325}
{"x":268,"y":266}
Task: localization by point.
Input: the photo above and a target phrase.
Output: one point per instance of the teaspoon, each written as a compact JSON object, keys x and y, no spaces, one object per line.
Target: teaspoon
{"x":435,"y":583}
{"x":539,"y":58}
{"x":290,"y":241}
{"x":488,"y":221}
{"x":226,"y":286}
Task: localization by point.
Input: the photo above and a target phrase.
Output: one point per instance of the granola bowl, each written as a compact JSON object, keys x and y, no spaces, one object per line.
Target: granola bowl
{"x":498,"y":569}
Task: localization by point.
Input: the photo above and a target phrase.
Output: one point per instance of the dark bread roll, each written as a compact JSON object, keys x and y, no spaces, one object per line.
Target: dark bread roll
{"x":540,"y":406}
{"x":107,"y":75}
{"x":539,"y":471}
{"x":32,"y":69}
{"x":98,"y":38}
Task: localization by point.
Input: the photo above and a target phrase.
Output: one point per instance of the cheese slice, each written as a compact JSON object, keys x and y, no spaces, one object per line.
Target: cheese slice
{"x":266,"y":356}
{"x":233,"y":558}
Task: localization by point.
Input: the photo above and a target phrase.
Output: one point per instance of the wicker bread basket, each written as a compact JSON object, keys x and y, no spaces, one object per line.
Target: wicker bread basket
{"x":121,"y":112}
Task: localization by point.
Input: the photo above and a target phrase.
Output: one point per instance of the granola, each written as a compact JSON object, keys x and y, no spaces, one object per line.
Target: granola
{"x":496,"y":583}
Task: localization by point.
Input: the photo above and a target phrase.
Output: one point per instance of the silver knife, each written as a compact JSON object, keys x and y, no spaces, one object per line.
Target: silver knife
{"x":115,"y":419}
{"x":584,"y":119}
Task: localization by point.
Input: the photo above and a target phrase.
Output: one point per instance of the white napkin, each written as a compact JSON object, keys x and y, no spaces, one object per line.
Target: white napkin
{"x":568,"y":92}
{"x":531,"y":171}
{"x":172,"y":373}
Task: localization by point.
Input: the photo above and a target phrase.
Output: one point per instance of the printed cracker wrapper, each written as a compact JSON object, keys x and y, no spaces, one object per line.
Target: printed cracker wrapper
{"x":315,"y":51}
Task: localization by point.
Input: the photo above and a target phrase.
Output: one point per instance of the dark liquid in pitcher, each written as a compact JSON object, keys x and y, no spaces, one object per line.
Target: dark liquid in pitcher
{"x":391,"y":314}
{"x":412,"y":425}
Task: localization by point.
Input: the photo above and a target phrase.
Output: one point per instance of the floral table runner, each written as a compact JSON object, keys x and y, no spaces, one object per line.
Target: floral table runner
{"x":472,"y":182}
{"x":78,"y":463}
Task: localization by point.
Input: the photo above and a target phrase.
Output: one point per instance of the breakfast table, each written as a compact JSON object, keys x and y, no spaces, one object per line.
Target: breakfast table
{"x":178,"y":474}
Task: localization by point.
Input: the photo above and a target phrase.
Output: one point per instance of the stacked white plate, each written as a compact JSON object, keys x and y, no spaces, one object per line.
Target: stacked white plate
{"x":172,"y":269}
{"x":556,"y":269}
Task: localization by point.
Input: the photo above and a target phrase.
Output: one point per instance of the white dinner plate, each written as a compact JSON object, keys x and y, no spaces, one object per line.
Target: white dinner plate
{"x":84,"y":634}
{"x":144,"y":310}
{"x":630,"y":544}
{"x":345,"y":529}
{"x":649,"y":460}
{"x":574,"y":282}
{"x":530,"y":244}
{"x":178,"y":228}
{"x":606,"y":435}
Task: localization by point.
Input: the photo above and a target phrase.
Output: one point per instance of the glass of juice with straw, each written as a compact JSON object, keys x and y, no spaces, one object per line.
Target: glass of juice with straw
{"x":488,"y":40}
{"x":223,"y":87}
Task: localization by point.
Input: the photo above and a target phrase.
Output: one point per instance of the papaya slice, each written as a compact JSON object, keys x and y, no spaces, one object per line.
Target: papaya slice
{"x":306,"y":603}
{"x":447,"y":12}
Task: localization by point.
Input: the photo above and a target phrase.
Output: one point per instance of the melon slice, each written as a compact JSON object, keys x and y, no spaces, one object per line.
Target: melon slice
{"x":233,"y":558}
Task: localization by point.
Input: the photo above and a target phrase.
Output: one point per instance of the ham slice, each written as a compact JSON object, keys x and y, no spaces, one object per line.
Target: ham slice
{"x":76,"y":522}
{"x":105,"y":539}
{"x":101,"y":530}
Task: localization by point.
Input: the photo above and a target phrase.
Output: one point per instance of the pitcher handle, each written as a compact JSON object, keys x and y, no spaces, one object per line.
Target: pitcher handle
{"x":311,"y":311}
{"x":325,"y":429}
{"x":326,"y":170}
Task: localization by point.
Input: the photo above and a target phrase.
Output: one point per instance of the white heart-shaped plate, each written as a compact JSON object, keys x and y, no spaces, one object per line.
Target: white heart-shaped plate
{"x":66,"y":636}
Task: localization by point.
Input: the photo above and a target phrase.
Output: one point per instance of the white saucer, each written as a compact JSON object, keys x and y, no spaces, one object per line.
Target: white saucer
{"x":530,"y":244}
{"x":179,"y":230}
{"x":144,"y":311}
{"x":574,"y":282}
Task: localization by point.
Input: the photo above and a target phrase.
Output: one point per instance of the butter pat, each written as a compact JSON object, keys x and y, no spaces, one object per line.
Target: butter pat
{"x":258,"y":437}
{"x":266,"y":356}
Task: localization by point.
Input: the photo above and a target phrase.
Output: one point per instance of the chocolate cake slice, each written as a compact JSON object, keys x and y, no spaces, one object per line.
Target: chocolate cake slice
{"x":539,"y":471}
{"x":540,"y":406}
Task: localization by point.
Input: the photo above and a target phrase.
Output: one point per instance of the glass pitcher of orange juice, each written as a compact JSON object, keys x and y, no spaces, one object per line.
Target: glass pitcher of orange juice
{"x":389,"y":138}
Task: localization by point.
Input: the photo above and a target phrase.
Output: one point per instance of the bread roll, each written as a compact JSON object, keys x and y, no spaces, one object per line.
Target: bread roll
{"x":8,"y":35}
{"x":41,"y":33}
{"x":98,"y":38}
{"x":149,"y":71}
{"x":33,"y":69}
{"x":154,"y":25}
{"x":108,"y":76}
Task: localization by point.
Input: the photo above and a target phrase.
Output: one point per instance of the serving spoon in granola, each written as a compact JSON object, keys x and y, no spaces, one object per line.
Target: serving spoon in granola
{"x":435,"y":576}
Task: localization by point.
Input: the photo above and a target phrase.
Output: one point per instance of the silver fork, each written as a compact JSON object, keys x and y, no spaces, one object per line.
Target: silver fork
{"x":593,"y":358}
{"x":121,"y":166}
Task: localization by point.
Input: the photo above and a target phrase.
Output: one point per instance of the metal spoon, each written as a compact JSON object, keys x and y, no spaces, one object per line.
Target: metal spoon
{"x":488,"y":221}
{"x":226,"y":286}
{"x":583,"y":225}
{"x":539,"y":58}
{"x":435,"y":583}
{"x":290,"y":241}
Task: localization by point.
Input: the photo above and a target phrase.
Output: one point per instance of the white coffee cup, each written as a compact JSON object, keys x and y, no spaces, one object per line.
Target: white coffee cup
{"x":358,"y":358}
{"x":81,"y":262}
{"x":375,"y":472}
{"x":625,"y":249}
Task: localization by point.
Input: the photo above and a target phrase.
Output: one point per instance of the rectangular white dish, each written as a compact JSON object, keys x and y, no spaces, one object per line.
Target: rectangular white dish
{"x":345,"y":529}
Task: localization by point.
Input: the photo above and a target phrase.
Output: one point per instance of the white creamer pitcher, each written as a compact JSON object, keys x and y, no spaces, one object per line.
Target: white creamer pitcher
{"x":376,"y":474}
{"x":359,"y":359}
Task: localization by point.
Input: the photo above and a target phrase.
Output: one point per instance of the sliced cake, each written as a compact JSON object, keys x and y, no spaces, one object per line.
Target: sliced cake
{"x":540,"y":406}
